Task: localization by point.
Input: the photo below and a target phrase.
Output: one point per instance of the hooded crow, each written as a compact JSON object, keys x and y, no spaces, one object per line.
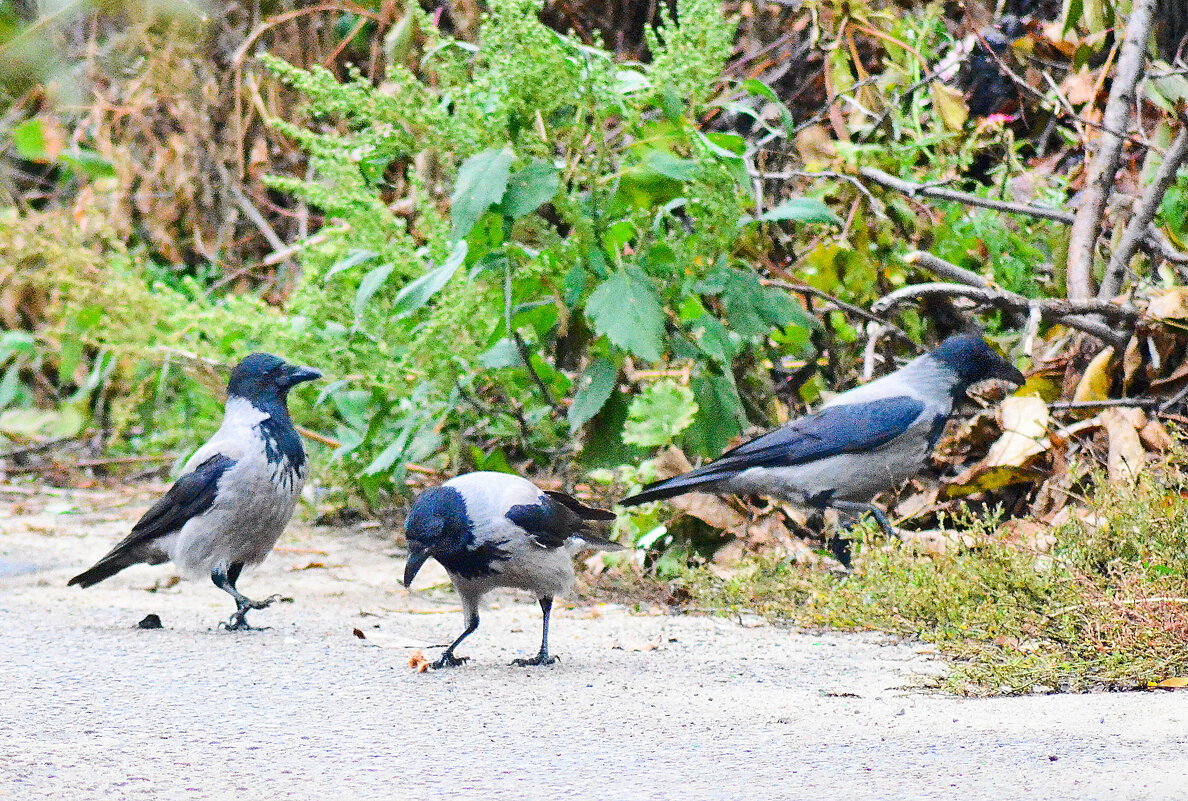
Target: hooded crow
{"x":235,"y":495}
{"x":863,"y":442}
{"x":493,"y":530}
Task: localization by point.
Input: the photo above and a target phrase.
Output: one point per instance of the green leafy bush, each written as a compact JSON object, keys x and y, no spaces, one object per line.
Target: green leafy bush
{"x":592,"y":226}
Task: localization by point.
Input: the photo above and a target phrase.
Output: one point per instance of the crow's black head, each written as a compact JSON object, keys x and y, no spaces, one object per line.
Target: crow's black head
{"x":972,"y":360}
{"x":439,"y":526}
{"x":262,"y":377}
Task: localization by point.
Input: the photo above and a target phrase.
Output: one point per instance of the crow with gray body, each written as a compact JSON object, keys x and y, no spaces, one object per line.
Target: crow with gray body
{"x":863,"y":442}
{"x":235,"y":495}
{"x":493,"y":530}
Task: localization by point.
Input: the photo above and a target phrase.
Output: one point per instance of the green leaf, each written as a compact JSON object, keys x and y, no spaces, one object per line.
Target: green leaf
{"x":664,"y":163}
{"x":388,"y":456}
{"x":353,"y":258}
{"x":658,"y":414}
{"x":29,"y":140}
{"x":10,"y":385}
{"x":713,"y":339}
{"x":594,"y":388}
{"x":417,"y":293}
{"x":626,"y":310}
{"x":756,"y":87}
{"x":530,"y":188}
{"x":720,"y":418}
{"x":801,"y":209}
{"x":503,"y":353}
{"x":88,"y":164}
{"x":482,"y":180}
{"x":369,"y":286}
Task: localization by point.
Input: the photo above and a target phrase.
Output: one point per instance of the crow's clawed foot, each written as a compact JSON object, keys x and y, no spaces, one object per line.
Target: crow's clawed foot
{"x":267,"y":602}
{"x":238,"y":621}
{"x":449,"y":660}
{"x":539,"y":659}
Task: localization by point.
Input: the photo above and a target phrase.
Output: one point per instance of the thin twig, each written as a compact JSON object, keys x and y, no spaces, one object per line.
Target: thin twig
{"x":1109,"y":403}
{"x":1136,"y":229}
{"x":1083,"y":237}
{"x":938,"y":266}
{"x":309,"y":433}
{"x":843,"y":306}
{"x":40,"y":447}
{"x":913,"y":189}
{"x":784,"y":175}
{"x":526,"y":357}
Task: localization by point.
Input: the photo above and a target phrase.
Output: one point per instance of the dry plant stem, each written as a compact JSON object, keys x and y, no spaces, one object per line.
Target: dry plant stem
{"x":913,"y":189}
{"x":1083,"y":237}
{"x":1142,"y":403}
{"x":1136,"y":230}
{"x":1068,"y":312}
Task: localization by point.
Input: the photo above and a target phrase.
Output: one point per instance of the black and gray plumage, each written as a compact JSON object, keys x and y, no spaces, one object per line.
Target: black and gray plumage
{"x":235,"y":495}
{"x":862,"y":442}
{"x":493,"y":530}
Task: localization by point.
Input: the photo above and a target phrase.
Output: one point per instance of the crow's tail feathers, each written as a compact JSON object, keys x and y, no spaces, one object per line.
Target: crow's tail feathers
{"x":671,"y":487}
{"x":106,"y":567}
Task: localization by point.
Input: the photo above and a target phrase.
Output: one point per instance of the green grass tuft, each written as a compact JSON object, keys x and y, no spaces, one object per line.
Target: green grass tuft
{"x":1105,"y":607}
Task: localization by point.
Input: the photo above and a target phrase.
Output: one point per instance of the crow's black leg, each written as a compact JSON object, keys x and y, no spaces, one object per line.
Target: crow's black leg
{"x":225,"y":581}
{"x":855,"y":510}
{"x":542,"y":658}
{"x":839,"y":545}
{"x":447,"y":658}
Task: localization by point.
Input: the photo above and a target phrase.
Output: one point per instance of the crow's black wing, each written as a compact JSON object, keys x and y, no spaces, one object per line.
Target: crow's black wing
{"x":548,"y":522}
{"x":578,"y":508}
{"x":190,"y":496}
{"x":848,"y":428}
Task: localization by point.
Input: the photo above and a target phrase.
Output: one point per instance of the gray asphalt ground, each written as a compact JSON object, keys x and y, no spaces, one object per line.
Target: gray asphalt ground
{"x":641,"y":705}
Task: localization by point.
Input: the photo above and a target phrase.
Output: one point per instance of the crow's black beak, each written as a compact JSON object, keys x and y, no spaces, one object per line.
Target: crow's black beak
{"x":1009,"y":372}
{"x":298,"y":375}
{"x":416,"y":558}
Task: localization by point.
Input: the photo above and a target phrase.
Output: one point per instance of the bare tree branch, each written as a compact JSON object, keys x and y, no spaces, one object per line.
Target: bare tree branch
{"x":1068,"y":312}
{"x":1083,"y":238}
{"x":938,"y":266}
{"x":1136,"y":230}
{"x":913,"y":189}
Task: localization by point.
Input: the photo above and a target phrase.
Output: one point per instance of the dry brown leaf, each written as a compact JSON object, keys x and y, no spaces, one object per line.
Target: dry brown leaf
{"x":1024,"y":425}
{"x":710,"y":509}
{"x":1024,"y":432}
{"x":1126,"y":455}
{"x":950,"y":106}
{"x":935,"y":542}
{"x":297,"y":566}
{"x":1171,"y":304}
{"x":1132,"y":360}
{"x":1031,"y":535}
{"x":1155,"y":437}
{"x":1095,"y":381}
{"x":816,"y":147}
{"x":1080,"y":87}
{"x":417,"y":662}
{"x":671,"y":462}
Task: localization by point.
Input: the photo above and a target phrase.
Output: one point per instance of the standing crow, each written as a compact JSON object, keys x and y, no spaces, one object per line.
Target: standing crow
{"x":235,"y":495}
{"x":493,"y":530}
{"x":863,"y":442}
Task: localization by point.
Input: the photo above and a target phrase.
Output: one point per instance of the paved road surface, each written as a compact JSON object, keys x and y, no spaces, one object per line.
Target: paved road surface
{"x":641,"y":705}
